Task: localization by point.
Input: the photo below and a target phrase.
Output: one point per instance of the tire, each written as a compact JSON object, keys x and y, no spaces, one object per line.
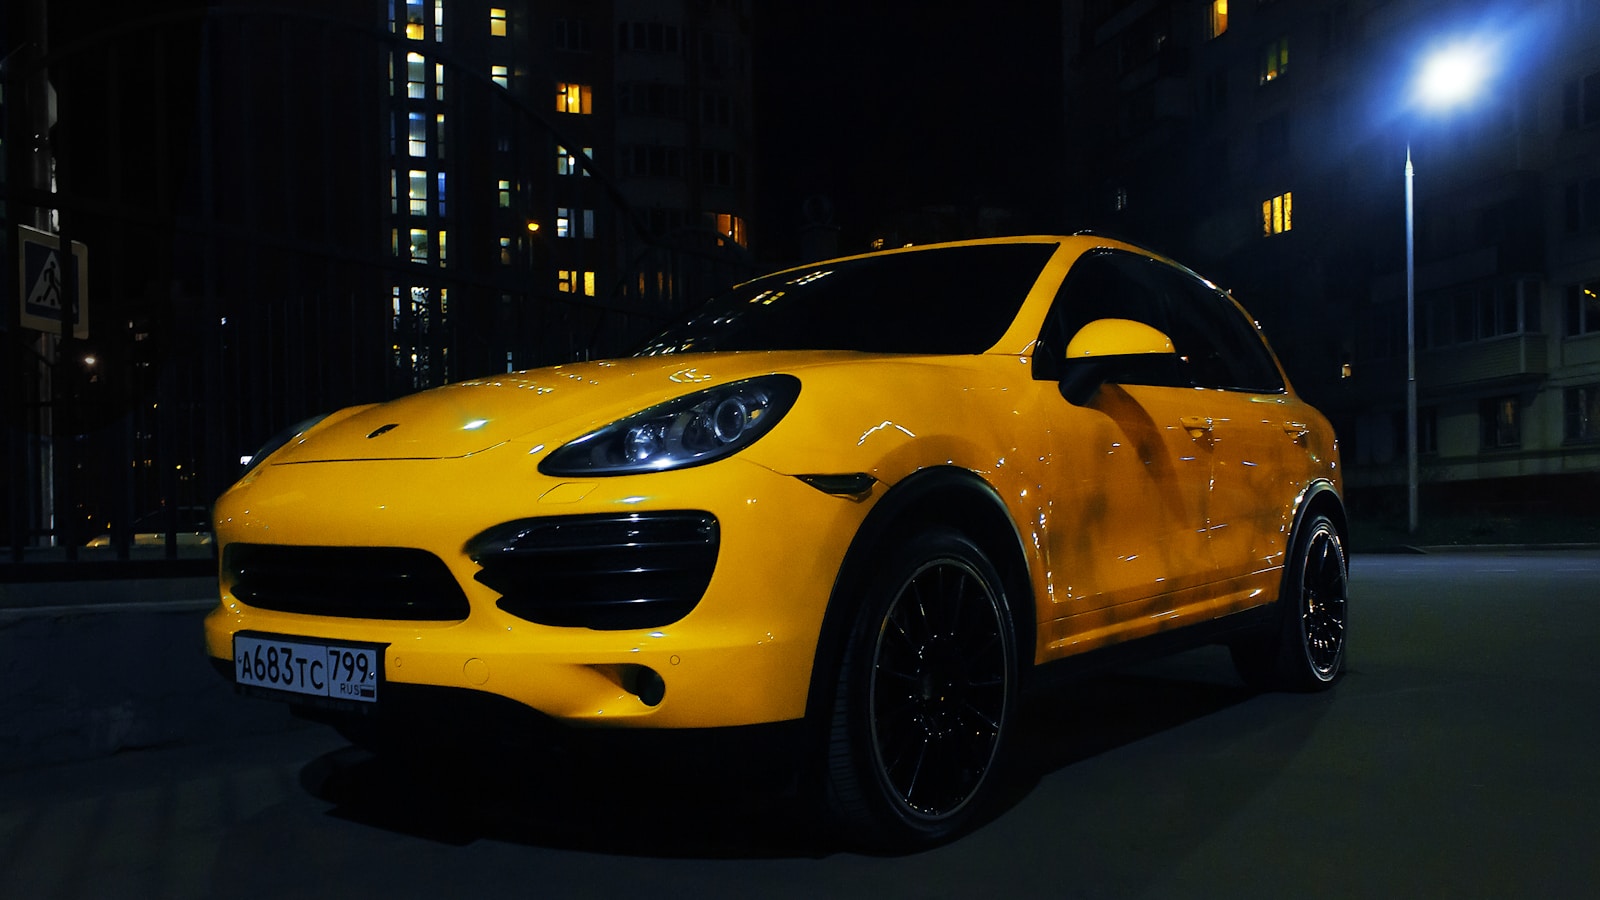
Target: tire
{"x":926,"y":696}
{"x":1305,"y":651}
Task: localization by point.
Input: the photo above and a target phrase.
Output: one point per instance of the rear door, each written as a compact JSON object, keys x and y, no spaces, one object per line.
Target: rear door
{"x":1254,"y":426}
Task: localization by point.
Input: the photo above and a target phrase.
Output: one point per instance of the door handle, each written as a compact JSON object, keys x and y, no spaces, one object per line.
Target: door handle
{"x":1195,"y":425}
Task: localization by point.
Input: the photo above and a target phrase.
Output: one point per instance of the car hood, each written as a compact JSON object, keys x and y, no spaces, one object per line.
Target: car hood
{"x":556,"y":405}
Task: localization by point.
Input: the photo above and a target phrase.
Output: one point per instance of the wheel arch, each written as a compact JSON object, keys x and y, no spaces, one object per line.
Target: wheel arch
{"x":1321,"y":497}
{"x":942,"y":496}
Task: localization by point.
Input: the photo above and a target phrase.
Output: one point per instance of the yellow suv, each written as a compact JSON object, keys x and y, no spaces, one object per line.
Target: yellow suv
{"x":869,"y":497}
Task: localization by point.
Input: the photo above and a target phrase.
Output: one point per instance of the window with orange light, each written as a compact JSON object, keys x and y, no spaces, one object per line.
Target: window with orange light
{"x":574,"y":98}
{"x":1219,"y":18}
{"x":415,"y":29}
{"x":1275,"y":214}
{"x":573,"y":281}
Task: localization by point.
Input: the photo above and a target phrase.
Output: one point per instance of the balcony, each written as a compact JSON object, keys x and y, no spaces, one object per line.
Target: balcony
{"x":1505,"y":360}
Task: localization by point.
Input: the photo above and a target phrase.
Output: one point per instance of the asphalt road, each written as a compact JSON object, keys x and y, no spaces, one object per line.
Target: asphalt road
{"x":1456,"y":759}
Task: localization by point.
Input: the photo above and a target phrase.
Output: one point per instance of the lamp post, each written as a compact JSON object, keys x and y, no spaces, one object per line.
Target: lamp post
{"x":1448,"y":77}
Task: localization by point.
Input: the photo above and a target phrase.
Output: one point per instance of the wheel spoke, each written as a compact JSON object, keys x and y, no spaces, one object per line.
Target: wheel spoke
{"x":940,"y":689}
{"x":1323,"y":602}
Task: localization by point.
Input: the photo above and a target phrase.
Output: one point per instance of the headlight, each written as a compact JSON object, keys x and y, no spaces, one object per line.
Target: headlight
{"x":688,"y":431}
{"x":277,"y":443}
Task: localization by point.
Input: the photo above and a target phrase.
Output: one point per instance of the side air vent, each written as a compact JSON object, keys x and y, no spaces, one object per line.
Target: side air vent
{"x":641,"y":570}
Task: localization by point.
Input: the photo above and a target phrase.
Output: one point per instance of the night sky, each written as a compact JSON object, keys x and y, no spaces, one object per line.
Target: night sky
{"x":888,"y":106}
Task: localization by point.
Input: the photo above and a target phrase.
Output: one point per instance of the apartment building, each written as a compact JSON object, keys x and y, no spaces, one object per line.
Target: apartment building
{"x":295,"y":206}
{"x":1266,"y":142}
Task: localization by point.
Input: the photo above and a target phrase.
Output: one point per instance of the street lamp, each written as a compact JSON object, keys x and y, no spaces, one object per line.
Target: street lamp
{"x":1447,"y":77}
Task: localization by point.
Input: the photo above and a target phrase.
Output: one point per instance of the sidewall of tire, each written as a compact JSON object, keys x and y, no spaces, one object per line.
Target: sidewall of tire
{"x":1296,"y":671}
{"x":857,"y":797}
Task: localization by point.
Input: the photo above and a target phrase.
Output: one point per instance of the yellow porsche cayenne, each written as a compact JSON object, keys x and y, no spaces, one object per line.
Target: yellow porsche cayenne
{"x":869,"y":497}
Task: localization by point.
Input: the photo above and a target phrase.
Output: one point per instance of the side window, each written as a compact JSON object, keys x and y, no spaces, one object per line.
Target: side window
{"x":1106,"y":284}
{"x":1219,"y":344}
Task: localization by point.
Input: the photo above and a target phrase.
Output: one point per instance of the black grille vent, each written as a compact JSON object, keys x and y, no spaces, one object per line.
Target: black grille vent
{"x":642,"y":570}
{"x":351,"y":582}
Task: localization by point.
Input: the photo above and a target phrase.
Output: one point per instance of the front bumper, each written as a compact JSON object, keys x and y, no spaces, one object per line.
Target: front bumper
{"x":742,"y":655}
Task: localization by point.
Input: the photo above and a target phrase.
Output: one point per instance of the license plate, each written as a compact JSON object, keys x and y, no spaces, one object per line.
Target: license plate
{"x":317,"y":669}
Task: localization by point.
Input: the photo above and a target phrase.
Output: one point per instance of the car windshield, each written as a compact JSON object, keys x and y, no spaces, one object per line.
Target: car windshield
{"x":945,"y":300}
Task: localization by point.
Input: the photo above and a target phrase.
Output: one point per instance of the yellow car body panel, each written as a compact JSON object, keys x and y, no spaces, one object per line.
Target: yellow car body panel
{"x":758,"y":623}
{"x":1136,"y":512}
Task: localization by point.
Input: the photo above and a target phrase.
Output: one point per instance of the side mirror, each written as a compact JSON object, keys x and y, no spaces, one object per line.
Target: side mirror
{"x":1110,"y":350}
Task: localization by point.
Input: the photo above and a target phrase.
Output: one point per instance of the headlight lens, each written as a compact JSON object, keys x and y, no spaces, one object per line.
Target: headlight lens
{"x":689,"y":431}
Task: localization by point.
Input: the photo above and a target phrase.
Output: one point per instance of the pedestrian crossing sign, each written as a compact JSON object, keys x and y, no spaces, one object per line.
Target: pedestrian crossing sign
{"x":49,"y":291}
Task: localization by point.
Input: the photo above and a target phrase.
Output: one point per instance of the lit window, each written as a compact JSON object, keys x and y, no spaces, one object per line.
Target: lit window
{"x":574,"y":98}
{"x":414,"y":27}
{"x":438,"y":81}
{"x":732,"y":226}
{"x":441,"y":210}
{"x":439,"y":123}
{"x":1275,"y":214}
{"x":394,"y":191}
{"x":419,"y":245}
{"x":1275,"y":60}
{"x":505,"y":193}
{"x":416,"y":72}
{"x":438,"y":20}
{"x":419,"y":193}
{"x":572,"y":281}
{"x":567,"y":161}
{"x":442,"y":235}
{"x":1219,"y":17}
{"x":574,"y":222}
{"x":505,"y":251}
{"x":497,"y":21}
{"x":500,"y":75}
{"x":419,"y":134}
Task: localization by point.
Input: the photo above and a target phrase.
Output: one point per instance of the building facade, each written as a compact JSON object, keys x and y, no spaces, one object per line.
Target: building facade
{"x":297,"y":206}
{"x":1266,"y":141}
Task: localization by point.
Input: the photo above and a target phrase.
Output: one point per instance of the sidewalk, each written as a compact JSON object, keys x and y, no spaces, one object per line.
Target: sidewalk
{"x":88,"y":668}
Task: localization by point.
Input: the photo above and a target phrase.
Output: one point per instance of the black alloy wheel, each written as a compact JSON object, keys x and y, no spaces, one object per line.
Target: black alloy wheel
{"x":1323,"y":603}
{"x":1305,"y":651}
{"x":927,"y":695}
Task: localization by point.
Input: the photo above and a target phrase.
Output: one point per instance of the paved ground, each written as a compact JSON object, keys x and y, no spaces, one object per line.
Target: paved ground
{"x":1456,"y":759}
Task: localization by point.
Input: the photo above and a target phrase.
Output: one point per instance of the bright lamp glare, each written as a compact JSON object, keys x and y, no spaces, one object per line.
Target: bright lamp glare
{"x":1452,"y":76}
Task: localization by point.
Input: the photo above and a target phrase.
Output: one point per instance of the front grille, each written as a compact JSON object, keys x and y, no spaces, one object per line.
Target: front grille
{"x":351,"y":582}
{"x":641,"y":570}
